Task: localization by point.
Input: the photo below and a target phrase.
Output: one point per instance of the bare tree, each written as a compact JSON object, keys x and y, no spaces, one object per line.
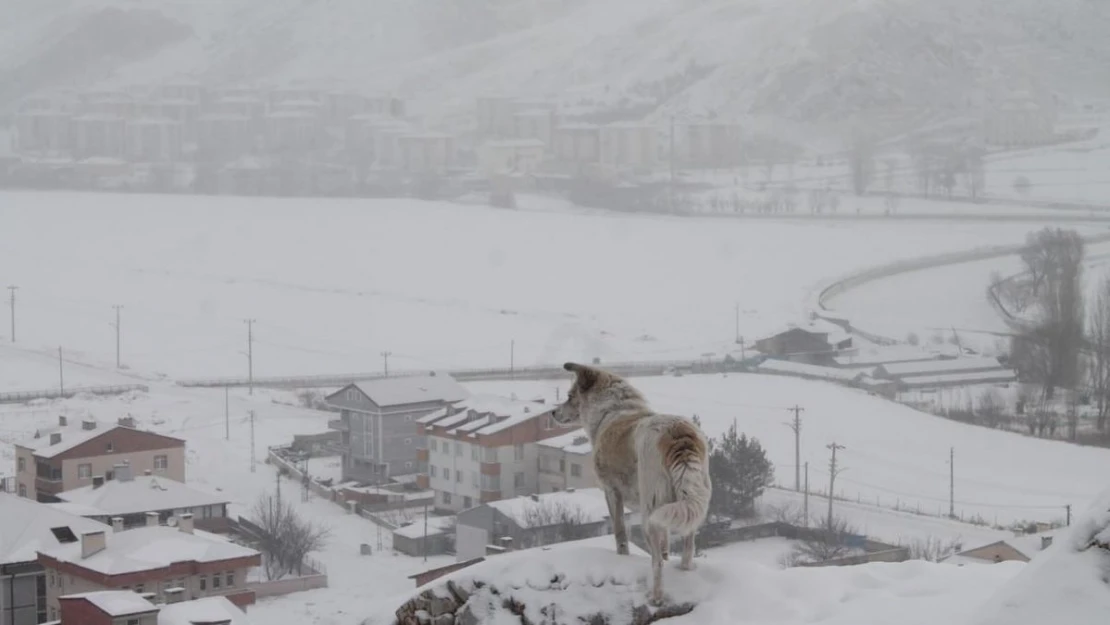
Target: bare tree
{"x":826,"y":542}
{"x":285,"y":539}
{"x":862,"y":161}
{"x":555,"y":521}
{"x":989,"y":408}
{"x":1099,"y":369}
{"x":932,"y":549}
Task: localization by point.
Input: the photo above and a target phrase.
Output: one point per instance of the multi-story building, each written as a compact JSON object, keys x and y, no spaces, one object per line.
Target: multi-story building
{"x":130,"y":499}
{"x":377,"y":418}
{"x":127,"y":607}
{"x":25,"y":526}
{"x":483,"y":449}
{"x":625,"y":145}
{"x":70,"y":458}
{"x":169,"y":563}
{"x":565,"y":463}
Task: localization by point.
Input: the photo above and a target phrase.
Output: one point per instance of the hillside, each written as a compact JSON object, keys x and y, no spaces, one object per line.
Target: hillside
{"x":808,"y":62}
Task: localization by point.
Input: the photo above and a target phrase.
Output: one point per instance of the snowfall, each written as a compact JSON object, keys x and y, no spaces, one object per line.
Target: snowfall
{"x":399,"y":276}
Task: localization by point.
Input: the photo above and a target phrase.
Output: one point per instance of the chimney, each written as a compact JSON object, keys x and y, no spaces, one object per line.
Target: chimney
{"x":185,"y":522}
{"x":92,"y":543}
{"x":123,"y":472}
{"x":152,"y":519}
{"x":88,"y":424}
{"x":62,"y":420}
{"x":98,"y":481}
{"x":55,"y":438}
{"x":117,"y":524}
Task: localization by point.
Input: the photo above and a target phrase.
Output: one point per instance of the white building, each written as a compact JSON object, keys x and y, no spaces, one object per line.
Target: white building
{"x":565,"y":462}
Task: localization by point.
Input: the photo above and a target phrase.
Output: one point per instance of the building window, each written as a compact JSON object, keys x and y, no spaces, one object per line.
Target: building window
{"x":490,"y":454}
{"x":474,"y":474}
{"x":161,"y":462}
{"x":21,"y":465}
{"x":203,"y":582}
{"x":432,"y":444}
{"x":352,"y":394}
{"x":518,"y":480}
{"x":132,"y":621}
{"x":468,"y":502}
{"x":548,"y":423}
{"x":474,"y":453}
{"x":446,"y":497}
{"x":459,"y":476}
{"x":53,"y":613}
{"x":216,"y":580}
{"x":231,"y":578}
{"x":575,"y":469}
{"x":110,"y":447}
{"x":51,"y":578}
{"x":447,"y":474}
{"x":458,"y":448}
{"x":22,"y":490}
{"x":139,"y":588}
{"x":84,"y":471}
{"x":408,"y":441}
{"x":518,"y":452}
{"x":433,"y":468}
{"x":562,"y":465}
{"x":408,"y":417}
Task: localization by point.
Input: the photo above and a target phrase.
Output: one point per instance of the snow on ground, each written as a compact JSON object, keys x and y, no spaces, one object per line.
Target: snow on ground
{"x":1065,"y":173}
{"x":769,"y":552}
{"x":1000,"y":476}
{"x":591,"y":578}
{"x":436,"y":284}
{"x":30,"y":369}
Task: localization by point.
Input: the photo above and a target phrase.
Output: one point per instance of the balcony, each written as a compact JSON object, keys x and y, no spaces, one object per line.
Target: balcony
{"x":486,"y":496}
{"x":48,"y":486}
{"x":490,"y":468}
{"x":422,"y":456}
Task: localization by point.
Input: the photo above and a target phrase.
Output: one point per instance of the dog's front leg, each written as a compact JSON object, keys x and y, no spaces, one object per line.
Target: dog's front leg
{"x":616,"y":512}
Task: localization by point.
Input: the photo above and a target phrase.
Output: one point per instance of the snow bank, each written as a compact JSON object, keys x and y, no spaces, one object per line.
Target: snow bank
{"x":1067,"y":583}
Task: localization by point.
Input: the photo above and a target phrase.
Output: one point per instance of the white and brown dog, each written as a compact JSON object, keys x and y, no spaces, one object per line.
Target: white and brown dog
{"x":655,"y":461}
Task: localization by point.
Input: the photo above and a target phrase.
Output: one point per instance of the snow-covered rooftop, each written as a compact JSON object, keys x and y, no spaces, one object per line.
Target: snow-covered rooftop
{"x":203,"y":610}
{"x":116,"y":603}
{"x":573,"y":442}
{"x":413,"y":389}
{"x":26,"y":527}
{"x":955,"y":365}
{"x":807,"y":370}
{"x":143,"y":493}
{"x":436,"y":525}
{"x":495,"y":413}
{"x":70,"y":438}
{"x":590,"y":502}
{"x":971,"y":377}
{"x":146,"y":548}
{"x":880,"y":354}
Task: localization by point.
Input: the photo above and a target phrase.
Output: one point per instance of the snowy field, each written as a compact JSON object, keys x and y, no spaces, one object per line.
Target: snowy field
{"x":1066,"y":173}
{"x":1000,"y":476}
{"x":333,"y":283}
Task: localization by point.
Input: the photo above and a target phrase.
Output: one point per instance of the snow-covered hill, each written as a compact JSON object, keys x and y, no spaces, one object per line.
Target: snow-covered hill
{"x":811,"y":61}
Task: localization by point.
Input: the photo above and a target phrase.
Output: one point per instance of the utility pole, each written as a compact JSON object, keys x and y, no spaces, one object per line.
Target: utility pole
{"x":116,"y":325}
{"x":425,"y":531}
{"x":61,"y":375}
{"x":805,"y":500}
{"x":252,"y":441}
{"x":12,"y":290}
{"x":1068,"y":508}
{"x":670,"y":158}
{"x":738,"y":339}
{"x":385,"y":361}
{"x":512,"y":359}
{"x":952,"y":482}
{"x":227,"y":413}
{"x":796,"y":425}
{"x":834,"y":470}
{"x":250,"y":358}
{"x":277,"y":488}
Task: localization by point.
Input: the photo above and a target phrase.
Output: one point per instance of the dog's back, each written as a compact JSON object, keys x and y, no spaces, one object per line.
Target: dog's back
{"x":673,"y":472}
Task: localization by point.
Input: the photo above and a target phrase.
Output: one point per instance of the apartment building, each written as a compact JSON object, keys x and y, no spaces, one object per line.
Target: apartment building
{"x":565,"y":463}
{"x":126,"y":607}
{"x":131,"y":497}
{"x":484,"y":448}
{"x":71,"y":457}
{"x":169,"y":563}
{"x":26,"y":525}
{"x":377,"y":419}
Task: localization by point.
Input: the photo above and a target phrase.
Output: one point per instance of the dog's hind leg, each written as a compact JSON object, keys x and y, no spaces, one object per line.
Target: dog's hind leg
{"x":616,"y":513}
{"x":656,"y":539}
{"x":687,"y":563}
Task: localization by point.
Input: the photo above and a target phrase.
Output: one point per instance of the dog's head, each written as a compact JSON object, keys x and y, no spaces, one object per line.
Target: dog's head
{"x":593,"y":390}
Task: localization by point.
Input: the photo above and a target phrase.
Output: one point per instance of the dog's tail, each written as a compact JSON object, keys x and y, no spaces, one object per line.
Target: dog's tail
{"x":686,"y":459}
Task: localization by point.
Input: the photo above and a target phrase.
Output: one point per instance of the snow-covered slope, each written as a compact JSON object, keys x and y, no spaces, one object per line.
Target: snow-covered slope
{"x":1067,"y":583}
{"x":586,"y":582}
{"x":802,"y":60}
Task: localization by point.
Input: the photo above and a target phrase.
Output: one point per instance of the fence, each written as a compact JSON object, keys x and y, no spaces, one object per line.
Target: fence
{"x":16,"y":397}
{"x":288,"y":585}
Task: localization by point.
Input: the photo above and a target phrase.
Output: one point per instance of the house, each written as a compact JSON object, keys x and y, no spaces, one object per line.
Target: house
{"x":565,"y":463}
{"x":815,"y":343}
{"x":26,"y":526}
{"x":42,"y":131}
{"x":484,"y":448}
{"x":940,"y":373}
{"x":431,"y":536}
{"x":131,"y":498}
{"x":712,"y":144}
{"x":167,"y":562}
{"x":632,"y":146}
{"x":293,"y":130}
{"x":65,"y":460}
{"x":510,"y":156}
{"x":98,"y":135}
{"x":153,"y":140}
{"x":998,"y":551}
{"x":377,"y":421}
{"x":127,"y":607}
{"x":531,"y":521}
{"x":578,"y":143}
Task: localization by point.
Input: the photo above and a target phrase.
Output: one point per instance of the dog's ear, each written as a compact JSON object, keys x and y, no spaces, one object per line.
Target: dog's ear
{"x":587,"y":376}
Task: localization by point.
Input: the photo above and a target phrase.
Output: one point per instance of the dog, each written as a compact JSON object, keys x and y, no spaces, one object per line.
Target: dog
{"x":657,"y":462}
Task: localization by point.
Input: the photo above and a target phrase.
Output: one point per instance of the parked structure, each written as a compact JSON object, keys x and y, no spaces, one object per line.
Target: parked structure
{"x":166,"y":562}
{"x":531,"y":521}
{"x":434,"y":537}
{"x":565,"y":463}
{"x":132,"y":498}
{"x":70,"y":458}
{"x":484,"y":448}
{"x":998,"y":551}
{"x":939,"y":373}
{"x":815,"y":343}
{"x":25,"y":526}
{"x":377,"y":419}
{"x":126,"y":607}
